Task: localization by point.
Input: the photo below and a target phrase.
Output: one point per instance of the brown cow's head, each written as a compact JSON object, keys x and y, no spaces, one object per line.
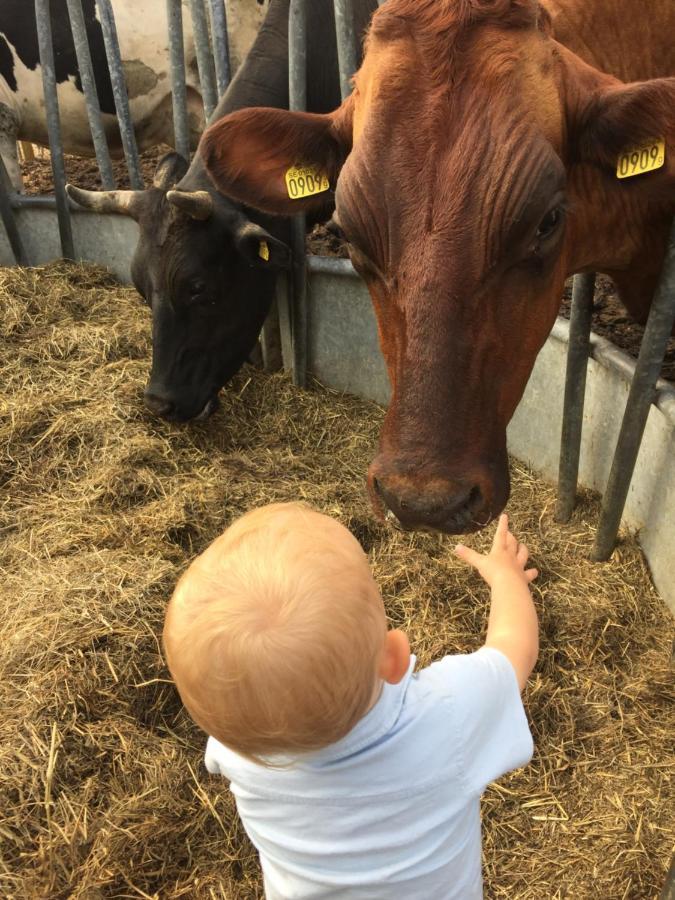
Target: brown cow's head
{"x":476,"y":166}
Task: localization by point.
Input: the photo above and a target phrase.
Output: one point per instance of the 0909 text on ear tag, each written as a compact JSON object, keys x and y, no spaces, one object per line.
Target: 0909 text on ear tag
{"x":304,"y":181}
{"x":647,"y":158}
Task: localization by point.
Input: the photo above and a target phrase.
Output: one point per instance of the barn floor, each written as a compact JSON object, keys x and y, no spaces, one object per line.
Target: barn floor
{"x":102,"y":789}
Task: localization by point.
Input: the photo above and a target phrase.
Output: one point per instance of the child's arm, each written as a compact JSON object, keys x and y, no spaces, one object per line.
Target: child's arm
{"x":512,"y":626}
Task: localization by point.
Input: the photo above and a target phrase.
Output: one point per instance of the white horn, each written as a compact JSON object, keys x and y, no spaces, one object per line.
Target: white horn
{"x":198,"y":204}
{"x":124,"y":202}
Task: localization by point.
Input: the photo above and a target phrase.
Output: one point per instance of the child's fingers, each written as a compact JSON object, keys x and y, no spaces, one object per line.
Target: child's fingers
{"x":499,"y":540}
{"x":523,"y":554}
{"x":531,"y":574}
{"x":467,"y":555}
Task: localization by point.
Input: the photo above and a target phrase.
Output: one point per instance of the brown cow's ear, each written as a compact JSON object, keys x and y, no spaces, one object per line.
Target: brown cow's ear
{"x":249,"y":153}
{"x":627,"y":116}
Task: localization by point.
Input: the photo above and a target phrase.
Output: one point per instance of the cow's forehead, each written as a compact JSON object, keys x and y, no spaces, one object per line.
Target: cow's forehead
{"x":512,"y":73}
{"x":385,"y":77}
{"x":528,"y":79}
{"x":459,"y":162}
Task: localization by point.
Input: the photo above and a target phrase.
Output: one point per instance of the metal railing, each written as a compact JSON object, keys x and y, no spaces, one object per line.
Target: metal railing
{"x":297,"y":100}
{"x":9,"y":219}
{"x":642,"y":391}
{"x":85,"y":65}
{"x":578,"y":352}
{"x":46,"y":45}
{"x":213,"y":62}
{"x":297,"y":94}
{"x":205,"y":60}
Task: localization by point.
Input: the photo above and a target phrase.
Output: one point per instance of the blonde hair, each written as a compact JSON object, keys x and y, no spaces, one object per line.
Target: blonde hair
{"x":274,"y":634}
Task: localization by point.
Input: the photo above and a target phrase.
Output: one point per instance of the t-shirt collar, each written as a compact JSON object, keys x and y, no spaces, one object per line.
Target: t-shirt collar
{"x":377,"y":722}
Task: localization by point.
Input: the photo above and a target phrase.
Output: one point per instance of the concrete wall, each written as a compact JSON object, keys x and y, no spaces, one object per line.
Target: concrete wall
{"x":343,"y":353}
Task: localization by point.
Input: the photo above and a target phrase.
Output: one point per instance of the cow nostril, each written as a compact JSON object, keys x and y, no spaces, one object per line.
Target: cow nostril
{"x":159,"y":406}
{"x":474,"y":500}
{"x":475,"y":497}
{"x":453,"y":512}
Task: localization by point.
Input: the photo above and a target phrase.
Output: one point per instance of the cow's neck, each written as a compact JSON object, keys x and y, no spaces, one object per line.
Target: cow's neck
{"x":620,"y":233}
{"x":262,"y":80}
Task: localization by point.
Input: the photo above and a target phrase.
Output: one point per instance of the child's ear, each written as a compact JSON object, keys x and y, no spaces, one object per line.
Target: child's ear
{"x":395,"y":657}
{"x":251,"y":153}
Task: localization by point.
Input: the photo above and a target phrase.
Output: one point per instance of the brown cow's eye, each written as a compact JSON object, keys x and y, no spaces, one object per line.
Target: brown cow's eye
{"x":550,"y":223}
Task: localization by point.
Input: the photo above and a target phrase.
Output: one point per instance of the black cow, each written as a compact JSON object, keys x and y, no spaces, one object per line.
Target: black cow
{"x":207,"y":265}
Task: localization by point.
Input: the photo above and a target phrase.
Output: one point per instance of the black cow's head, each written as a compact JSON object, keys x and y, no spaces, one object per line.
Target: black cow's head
{"x":207,"y":272}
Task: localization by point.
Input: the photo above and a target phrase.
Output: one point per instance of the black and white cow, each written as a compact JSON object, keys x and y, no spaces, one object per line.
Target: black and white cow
{"x":207,"y":265}
{"x":142,"y":32}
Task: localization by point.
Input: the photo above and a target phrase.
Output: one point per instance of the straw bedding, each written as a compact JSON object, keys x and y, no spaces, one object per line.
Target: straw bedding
{"x":102,"y":790}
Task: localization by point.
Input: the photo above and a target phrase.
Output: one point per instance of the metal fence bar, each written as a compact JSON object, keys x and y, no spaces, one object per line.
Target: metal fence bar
{"x":283,"y":299}
{"x":270,"y":340}
{"x":33,"y":201}
{"x":174,"y":15}
{"x":575,"y":388}
{"x":205,"y":65}
{"x":8,"y":217}
{"x":44,"y":30}
{"x":652,"y":351}
{"x":85,"y":66}
{"x":346,"y":44}
{"x":668,"y":892}
{"x":112,"y":52}
{"x":297,"y":95}
{"x":221,"y":50}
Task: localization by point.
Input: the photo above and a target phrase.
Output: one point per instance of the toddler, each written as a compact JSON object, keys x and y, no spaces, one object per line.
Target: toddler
{"x":355,"y":776}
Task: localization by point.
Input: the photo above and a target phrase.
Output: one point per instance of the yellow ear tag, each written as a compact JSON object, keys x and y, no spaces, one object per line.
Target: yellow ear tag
{"x":638,"y":160}
{"x":304,"y":181}
{"x":264,"y":251}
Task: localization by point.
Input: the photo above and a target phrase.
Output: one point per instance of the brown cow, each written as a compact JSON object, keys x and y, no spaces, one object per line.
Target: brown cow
{"x":477,"y":170}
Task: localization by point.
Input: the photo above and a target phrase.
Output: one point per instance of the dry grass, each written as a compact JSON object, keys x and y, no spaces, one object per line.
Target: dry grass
{"x":102,"y":790}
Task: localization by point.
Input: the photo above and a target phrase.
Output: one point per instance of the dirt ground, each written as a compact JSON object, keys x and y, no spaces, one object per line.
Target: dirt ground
{"x":609,"y":317}
{"x":103,"y":790}
{"x":38,"y":178}
{"x":612,"y":321}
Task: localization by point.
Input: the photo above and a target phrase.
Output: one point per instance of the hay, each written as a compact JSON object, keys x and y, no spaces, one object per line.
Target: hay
{"x":102,"y":789}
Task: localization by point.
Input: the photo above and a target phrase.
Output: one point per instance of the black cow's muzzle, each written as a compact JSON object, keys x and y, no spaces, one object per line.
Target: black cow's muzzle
{"x":165,"y":408}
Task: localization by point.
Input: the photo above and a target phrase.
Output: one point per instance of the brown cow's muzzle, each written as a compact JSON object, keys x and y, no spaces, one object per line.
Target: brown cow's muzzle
{"x":451,"y":505}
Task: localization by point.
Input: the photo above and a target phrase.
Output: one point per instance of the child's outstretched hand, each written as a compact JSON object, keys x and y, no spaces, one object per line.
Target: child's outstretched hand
{"x":506,"y":557}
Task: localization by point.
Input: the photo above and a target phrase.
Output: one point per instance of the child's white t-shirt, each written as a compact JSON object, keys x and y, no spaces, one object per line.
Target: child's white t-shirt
{"x":391,"y":811}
